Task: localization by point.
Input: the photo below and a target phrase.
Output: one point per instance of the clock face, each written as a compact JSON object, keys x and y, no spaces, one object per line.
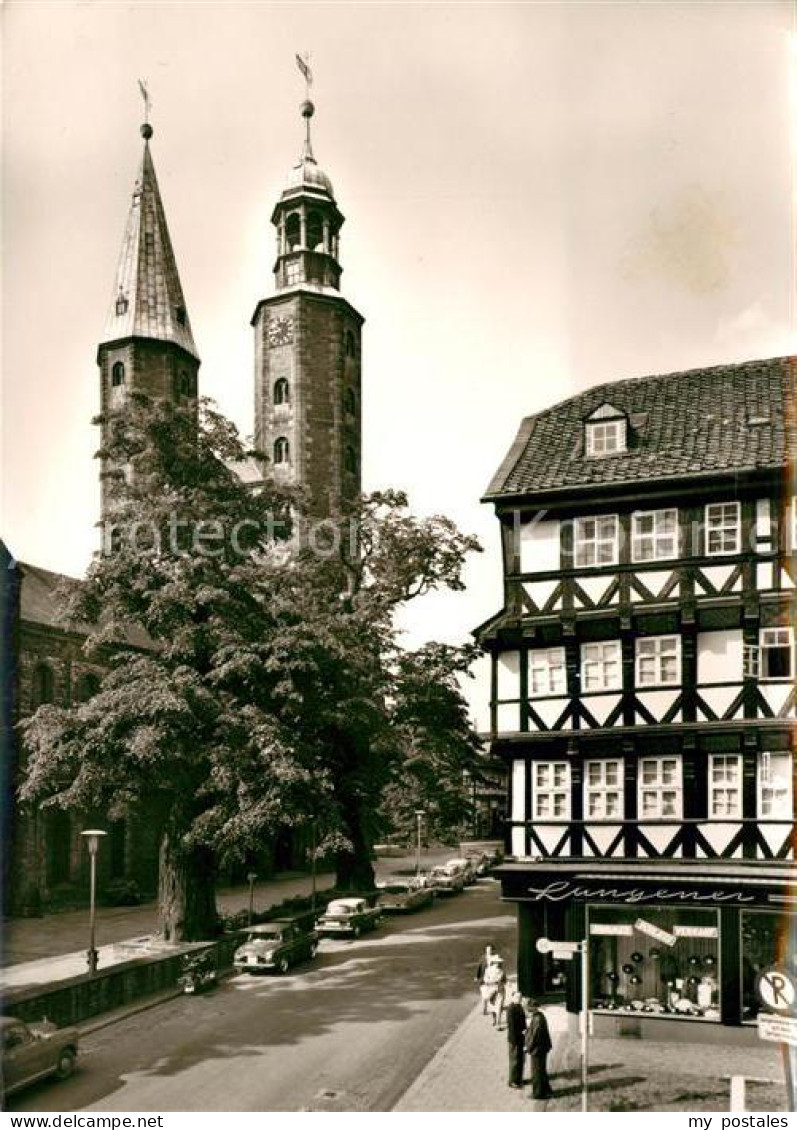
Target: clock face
{"x":280,"y":331}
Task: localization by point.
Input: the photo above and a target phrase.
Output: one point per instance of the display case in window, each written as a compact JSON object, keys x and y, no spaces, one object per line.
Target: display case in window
{"x":655,"y":960}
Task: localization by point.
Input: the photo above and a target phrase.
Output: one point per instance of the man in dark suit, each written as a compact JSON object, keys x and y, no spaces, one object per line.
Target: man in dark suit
{"x":515,"y":1031}
{"x":538,"y":1044}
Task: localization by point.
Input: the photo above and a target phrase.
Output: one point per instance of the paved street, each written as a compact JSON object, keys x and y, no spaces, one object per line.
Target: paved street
{"x":351,"y":1031}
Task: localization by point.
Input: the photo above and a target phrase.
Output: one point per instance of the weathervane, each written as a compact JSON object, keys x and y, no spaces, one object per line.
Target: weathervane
{"x":303,"y":63}
{"x":308,"y":109}
{"x":142,"y":86}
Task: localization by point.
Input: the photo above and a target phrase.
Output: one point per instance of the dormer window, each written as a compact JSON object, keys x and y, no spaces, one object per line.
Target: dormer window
{"x":606,"y":432}
{"x":180,"y":315}
{"x":121,"y":305}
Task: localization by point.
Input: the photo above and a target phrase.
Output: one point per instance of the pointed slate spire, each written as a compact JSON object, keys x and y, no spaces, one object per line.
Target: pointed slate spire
{"x":147,"y":299}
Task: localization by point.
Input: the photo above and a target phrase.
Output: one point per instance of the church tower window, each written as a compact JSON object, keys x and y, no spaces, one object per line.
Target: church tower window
{"x":350,"y":460}
{"x":293,"y":231}
{"x":315,"y":232}
{"x":282,"y":392}
{"x":349,"y":402}
{"x":118,"y":375}
{"x":282,"y":450}
{"x":351,"y":350}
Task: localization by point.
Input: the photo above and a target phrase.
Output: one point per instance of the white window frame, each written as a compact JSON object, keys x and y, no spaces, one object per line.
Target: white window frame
{"x":604,"y":789}
{"x":774,"y":785}
{"x":588,"y":548}
{"x":725,"y":786}
{"x":664,"y":545}
{"x":658,"y":648}
{"x":606,"y":437}
{"x":595,"y":658}
{"x":547,"y":663}
{"x":719,"y":522}
{"x":775,"y":639}
{"x":550,"y":794}
{"x":656,"y":789}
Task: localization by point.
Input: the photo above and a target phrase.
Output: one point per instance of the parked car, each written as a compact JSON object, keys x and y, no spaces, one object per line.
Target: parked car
{"x":396,"y":898}
{"x":34,"y":1052}
{"x":447,"y":880}
{"x":276,"y":946}
{"x":466,"y":866}
{"x":479,"y":861}
{"x":349,"y":916}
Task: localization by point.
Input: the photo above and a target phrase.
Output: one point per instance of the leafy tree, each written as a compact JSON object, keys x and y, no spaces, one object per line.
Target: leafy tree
{"x":272,"y":689}
{"x":437,"y":744}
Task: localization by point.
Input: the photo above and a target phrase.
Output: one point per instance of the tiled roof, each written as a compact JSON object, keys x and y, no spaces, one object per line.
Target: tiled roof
{"x":148,"y":300}
{"x":726,"y":418}
{"x":39,"y":603}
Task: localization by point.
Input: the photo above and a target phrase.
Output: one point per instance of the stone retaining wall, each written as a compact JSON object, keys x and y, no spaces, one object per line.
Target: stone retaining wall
{"x":79,"y":998}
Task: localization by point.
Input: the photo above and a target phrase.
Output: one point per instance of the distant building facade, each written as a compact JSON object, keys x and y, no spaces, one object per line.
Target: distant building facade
{"x":643,"y":693}
{"x":45,"y":860}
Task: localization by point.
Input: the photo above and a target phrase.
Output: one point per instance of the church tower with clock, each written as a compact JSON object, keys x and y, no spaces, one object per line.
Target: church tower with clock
{"x":308,"y":348}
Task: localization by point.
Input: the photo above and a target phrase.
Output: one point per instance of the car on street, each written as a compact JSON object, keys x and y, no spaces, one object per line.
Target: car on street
{"x":398,"y":898}
{"x":466,"y":866}
{"x":348,"y":917}
{"x":32,"y":1052}
{"x":275,"y":946}
{"x":479,"y":861}
{"x":447,"y":880}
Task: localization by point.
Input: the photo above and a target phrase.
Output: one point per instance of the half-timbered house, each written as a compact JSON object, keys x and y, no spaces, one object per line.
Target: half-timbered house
{"x":643,"y":692}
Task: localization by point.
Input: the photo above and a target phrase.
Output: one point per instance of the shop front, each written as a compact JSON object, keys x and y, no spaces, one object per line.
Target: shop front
{"x":674,"y":949}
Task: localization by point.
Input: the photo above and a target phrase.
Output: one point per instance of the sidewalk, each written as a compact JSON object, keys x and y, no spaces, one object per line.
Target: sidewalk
{"x":38,"y":951}
{"x":469,"y":1073}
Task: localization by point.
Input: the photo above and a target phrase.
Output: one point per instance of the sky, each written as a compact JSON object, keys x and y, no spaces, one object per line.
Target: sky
{"x":540,"y":197}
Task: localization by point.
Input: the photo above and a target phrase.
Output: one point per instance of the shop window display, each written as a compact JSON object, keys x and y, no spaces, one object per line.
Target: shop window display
{"x":655,"y":960}
{"x":765,"y":942}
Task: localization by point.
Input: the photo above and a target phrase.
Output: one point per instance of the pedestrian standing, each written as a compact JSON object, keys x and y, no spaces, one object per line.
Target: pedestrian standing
{"x":538,"y":1044}
{"x":515,"y":1034}
{"x":494,"y":988}
{"x":481,"y":970}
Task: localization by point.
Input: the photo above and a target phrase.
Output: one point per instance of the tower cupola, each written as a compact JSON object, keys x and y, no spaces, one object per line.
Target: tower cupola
{"x":308,"y":223}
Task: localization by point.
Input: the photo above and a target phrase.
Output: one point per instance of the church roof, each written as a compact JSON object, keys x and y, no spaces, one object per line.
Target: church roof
{"x":40,"y":602}
{"x":727,"y":418}
{"x":147,"y":300}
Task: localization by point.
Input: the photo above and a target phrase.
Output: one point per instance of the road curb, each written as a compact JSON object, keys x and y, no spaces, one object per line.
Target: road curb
{"x":94,"y":1024}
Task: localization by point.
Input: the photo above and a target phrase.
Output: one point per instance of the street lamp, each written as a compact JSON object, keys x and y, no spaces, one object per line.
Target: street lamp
{"x":250,"y":878}
{"x":93,"y":836}
{"x":313,"y":863}
{"x":419,"y":814}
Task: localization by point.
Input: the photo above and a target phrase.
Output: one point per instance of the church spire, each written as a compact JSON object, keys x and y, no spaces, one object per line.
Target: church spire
{"x":147,"y":346}
{"x":147,"y":300}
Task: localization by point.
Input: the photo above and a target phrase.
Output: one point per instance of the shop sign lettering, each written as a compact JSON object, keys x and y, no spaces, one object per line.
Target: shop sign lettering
{"x":695,"y":931}
{"x":561,"y":890}
{"x":652,"y":931}
{"x":610,"y":930}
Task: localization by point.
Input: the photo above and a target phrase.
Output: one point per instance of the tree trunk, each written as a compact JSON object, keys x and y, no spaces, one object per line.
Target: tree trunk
{"x":187,"y":893}
{"x":354,"y":870}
